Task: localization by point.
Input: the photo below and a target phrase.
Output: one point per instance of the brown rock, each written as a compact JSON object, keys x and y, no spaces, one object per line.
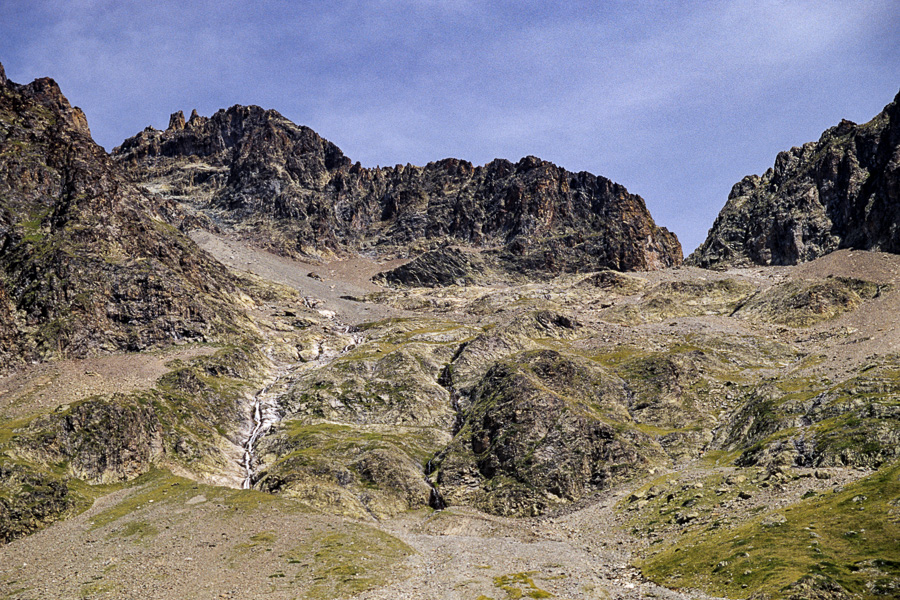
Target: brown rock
{"x":176,"y":121}
{"x":85,"y":265}
{"x":305,"y":197}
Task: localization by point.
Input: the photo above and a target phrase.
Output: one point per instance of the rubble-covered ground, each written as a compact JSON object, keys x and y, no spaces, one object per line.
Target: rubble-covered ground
{"x":675,"y":434}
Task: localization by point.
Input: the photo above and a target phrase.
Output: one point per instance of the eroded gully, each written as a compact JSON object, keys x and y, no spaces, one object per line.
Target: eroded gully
{"x":266,"y":411}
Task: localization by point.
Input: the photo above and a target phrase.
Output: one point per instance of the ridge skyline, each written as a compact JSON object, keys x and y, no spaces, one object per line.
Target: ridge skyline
{"x":675,"y":103}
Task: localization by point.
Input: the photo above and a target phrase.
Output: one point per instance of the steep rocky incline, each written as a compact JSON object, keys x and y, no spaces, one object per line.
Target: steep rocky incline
{"x":286,"y":188}
{"x":840,"y":192}
{"x":85,"y":263}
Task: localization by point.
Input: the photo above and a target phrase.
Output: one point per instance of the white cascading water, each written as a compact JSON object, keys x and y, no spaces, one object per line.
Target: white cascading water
{"x":266,"y":411}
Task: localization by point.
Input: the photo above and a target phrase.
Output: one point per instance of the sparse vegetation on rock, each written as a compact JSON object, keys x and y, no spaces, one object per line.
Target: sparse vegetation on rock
{"x":495,"y":413}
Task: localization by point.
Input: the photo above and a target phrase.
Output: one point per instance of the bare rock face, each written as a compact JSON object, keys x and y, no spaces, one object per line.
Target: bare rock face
{"x":534,"y":438}
{"x":103,"y":441}
{"x":85,"y":264}
{"x":840,"y":192}
{"x":290,"y":190}
{"x":436,"y":268}
{"x":176,"y":121}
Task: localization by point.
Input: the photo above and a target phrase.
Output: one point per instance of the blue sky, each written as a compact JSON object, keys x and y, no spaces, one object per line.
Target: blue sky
{"x":675,"y":100}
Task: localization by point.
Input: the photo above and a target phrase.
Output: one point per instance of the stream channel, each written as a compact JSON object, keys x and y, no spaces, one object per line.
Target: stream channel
{"x":266,"y":409}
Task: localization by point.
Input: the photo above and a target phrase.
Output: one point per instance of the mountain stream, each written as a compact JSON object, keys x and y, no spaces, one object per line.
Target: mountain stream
{"x":266,"y":410}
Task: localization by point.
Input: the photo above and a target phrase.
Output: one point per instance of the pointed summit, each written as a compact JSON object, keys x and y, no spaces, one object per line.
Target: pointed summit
{"x":196,"y":121}
{"x":537,"y":217}
{"x":176,"y":121}
{"x":841,"y":191}
{"x":129,"y":284}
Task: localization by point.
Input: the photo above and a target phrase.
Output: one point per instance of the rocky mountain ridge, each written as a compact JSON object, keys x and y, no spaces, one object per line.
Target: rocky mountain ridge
{"x":251,"y":170}
{"x":842,"y":191}
{"x":87,"y":262}
{"x":483,"y":421}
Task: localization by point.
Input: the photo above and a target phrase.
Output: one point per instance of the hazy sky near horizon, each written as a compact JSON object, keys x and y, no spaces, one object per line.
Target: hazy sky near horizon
{"x":677,"y":101}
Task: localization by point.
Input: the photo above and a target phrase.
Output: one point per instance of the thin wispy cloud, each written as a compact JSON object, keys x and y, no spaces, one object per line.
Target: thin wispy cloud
{"x":674,"y":100}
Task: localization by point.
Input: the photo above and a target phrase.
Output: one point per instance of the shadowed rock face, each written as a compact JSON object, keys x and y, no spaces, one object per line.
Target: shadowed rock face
{"x":252,"y":168}
{"x":436,"y":268}
{"x":84,"y":263}
{"x":840,"y":192}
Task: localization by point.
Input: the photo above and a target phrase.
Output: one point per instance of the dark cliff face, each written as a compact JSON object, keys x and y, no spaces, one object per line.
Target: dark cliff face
{"x":289,"y":189}
{"x":85,"y":266}
{"x":840,"y":192}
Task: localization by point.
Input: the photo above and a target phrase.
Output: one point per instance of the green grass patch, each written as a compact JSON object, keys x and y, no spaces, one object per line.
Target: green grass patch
{"x":157,"y":485}
{"x":841,"y":535}
{"x":520,"y":585}
{"x":347,"y":561}
{"x":138,"y":529}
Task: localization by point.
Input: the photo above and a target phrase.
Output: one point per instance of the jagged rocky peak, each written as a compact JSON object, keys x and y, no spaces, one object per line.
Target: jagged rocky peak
{"x":45,"y":91}
{"x":86,"y":265}
{"x":288,"y":189}
{"x":842,"y":191}
{"x":176,"y":121}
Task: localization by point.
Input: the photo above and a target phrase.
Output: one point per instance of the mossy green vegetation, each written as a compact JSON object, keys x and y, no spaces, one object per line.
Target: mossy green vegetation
{"x":672,"y":503}
{"x":155,"y":486}
{"x":31,"y":498}
{"x":520,"y":585}
{"x":805,"y":303}
{"x":96,"y":587}
{"x":544,"y":428}
{"x":676,"y":299}
{"x":353,"y":470}
{"x":342,"y":562}
{"x":48,"y":460}
{"x":392,"y":379}
{"x":844,"y":423}
{"x":138,"y":530}
{"x":849,"y":536}
{"x":159,"y":487}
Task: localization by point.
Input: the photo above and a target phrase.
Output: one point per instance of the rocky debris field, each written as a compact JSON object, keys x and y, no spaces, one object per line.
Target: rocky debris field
{"x":450,"y":395}
{"x":600,"y":435}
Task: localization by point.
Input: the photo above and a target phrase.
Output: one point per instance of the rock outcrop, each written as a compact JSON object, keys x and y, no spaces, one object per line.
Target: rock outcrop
{"x":536,"y":436}
{"x":102,"y":441}
{"x":840,"y":192}
{"x":86,"y":263}
{"x":436,"y":268}
{"x":29,"y":500}
{"x":285,"y":187}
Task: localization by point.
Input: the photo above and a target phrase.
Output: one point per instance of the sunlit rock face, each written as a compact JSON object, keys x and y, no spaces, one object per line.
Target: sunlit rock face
{"x":285,"y":187}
